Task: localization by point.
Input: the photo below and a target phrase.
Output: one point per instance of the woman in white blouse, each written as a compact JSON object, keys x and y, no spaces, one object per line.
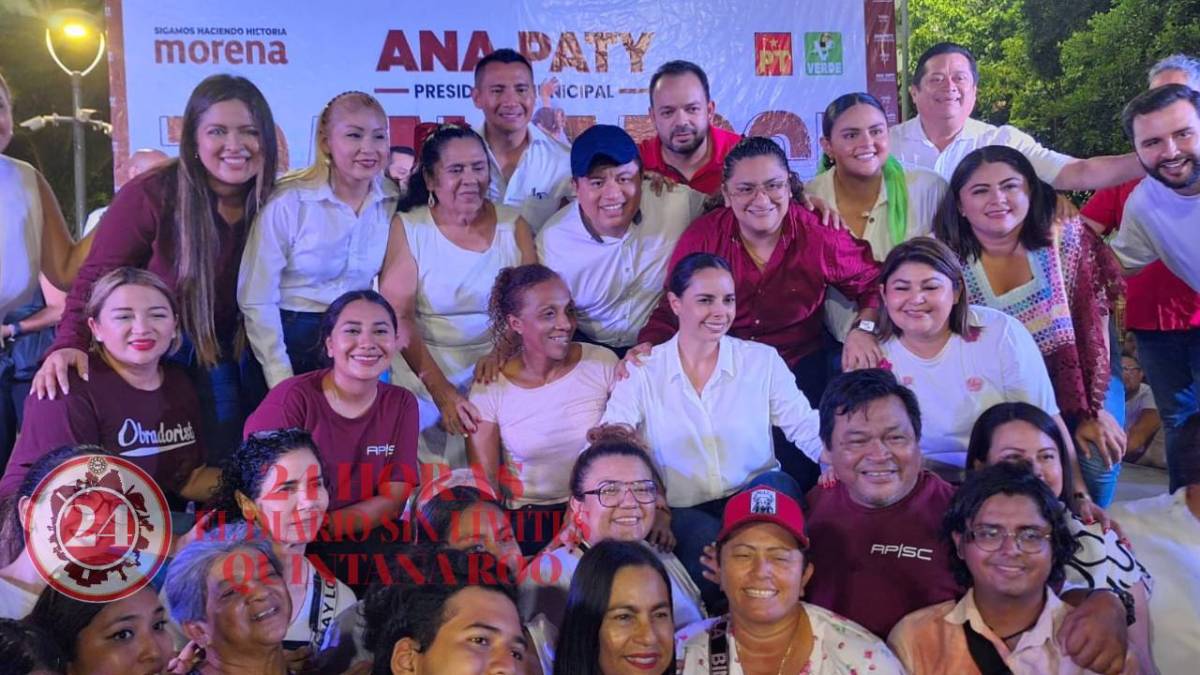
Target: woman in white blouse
{"x":706,"y":403}
{"x":881,"y":201}
{"x":446,"y":246}
{"x":323,"y":233}
{"x":548,"y":392}
{"x":959,"y":359}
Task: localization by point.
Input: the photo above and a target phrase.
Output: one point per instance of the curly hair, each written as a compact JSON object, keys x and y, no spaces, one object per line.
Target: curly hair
{"x":244,"y":470}
{"x":1012,"y":479}
{"x":508,"y":298}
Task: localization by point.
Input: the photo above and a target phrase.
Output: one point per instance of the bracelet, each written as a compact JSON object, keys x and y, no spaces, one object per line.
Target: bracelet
{"x":15,"y":327}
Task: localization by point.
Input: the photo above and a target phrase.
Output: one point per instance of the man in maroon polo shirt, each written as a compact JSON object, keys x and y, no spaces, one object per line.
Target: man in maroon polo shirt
{"x":686,"y":148}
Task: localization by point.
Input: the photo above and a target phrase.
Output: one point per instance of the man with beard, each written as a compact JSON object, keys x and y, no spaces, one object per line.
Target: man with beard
{"x":686,"y":147}
{"x":530,"y":171}
{"x":944,"y":88}
{"x":1162,"y":221}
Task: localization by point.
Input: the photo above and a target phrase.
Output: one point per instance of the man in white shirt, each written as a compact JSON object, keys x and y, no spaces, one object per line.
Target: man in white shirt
{"x":1165,"y":531}
{"x":942,"y":133}
{"x":530,"y":171}
{"x":1161,"y":220}
{"x":611,"y":244}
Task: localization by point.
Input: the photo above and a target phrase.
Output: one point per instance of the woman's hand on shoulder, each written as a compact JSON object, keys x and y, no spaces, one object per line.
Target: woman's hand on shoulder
{"x":54,"y":375}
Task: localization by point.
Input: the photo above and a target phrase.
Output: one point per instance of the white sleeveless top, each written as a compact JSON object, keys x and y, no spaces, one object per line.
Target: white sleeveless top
{"x":453,"y":287}
{"x":20,"y":233}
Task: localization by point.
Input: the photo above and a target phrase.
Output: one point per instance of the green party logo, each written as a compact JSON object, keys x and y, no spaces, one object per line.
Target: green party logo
{"x":823,"y":53}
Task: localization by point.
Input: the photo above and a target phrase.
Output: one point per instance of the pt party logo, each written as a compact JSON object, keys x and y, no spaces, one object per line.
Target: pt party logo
{"x":98,"y":528}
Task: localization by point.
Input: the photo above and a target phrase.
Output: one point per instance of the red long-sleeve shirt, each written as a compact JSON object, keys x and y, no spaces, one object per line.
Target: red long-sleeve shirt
{"x":781,"y":304}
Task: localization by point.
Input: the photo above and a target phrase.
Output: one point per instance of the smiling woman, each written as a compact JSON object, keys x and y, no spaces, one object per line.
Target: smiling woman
{"x":124,"y":637}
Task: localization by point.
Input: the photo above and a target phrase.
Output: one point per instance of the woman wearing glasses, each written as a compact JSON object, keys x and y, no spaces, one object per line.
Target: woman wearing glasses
{"x":615,"y":490}
{"x":1013,"y":545}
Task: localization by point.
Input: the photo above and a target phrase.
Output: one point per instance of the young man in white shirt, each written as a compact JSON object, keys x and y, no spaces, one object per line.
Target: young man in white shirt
{"x":612,"y":243}
{"x":530,"y":171}
{"x":1162,"y":217}
{"x":943,"y":90}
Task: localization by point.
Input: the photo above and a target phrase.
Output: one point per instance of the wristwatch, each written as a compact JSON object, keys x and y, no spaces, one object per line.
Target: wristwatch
{"x":866,"y":326}
{"x":1126,"y":599}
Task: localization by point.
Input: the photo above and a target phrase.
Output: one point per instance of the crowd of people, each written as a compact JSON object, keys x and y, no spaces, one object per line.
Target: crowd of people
{"x":507,"y":402}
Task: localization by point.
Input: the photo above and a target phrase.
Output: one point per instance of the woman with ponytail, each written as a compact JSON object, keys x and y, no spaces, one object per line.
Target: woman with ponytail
{"x":186,"y":221}
{"x":447,"y":244}
{"x":323,"y":233}
{"x":549,"y":391}
{"x":883,"y":203}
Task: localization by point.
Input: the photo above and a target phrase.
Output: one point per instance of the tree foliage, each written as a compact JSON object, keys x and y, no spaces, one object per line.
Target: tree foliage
{"x":1060,"y":69}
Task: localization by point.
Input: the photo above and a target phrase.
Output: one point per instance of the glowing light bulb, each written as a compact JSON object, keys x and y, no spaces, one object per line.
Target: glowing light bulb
{"x":75,"y":30}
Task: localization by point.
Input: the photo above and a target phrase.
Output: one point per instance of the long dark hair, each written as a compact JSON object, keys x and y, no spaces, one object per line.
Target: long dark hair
{"x":195,"y":236}
{"x":578,"y":649}
{"x":1018,"y":411}
{"x":953,"y":228}
{"x":431,"y":155}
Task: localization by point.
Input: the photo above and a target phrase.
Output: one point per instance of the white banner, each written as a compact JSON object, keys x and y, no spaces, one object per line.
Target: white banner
{"x":773,"y":64}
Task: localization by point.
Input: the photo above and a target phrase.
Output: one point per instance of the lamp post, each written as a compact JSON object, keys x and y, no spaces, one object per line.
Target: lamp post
{"x":75,"y":25}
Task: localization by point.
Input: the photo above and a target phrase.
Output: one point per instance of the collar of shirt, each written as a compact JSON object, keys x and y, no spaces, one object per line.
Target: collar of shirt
{"x":575,"y":218}
{"x":823,"y":186}
{"x":728,"y":225}
{"x":720,"y":140}
{"x":972,"y":128}
{"x":318,"y":189}
{"x":966,"y":611}
{"x":675,"y":361}
{"x":537,"y":138}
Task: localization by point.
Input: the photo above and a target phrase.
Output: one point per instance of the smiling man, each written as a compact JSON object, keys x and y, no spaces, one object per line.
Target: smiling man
{"x":943,"y":133}
{"x":611,"y":245}
{"x":529,"y":169}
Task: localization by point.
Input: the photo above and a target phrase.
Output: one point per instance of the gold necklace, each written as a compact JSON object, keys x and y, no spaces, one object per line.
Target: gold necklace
{"x":787,"y":654}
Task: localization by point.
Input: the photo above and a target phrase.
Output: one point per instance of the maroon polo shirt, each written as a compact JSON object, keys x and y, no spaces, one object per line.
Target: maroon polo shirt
{"x":708,"y":178}
{"x":782,"y":304}
{"x":360,"y":454}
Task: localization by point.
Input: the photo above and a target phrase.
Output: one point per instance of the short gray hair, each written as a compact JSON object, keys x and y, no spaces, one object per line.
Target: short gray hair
{"x":187,"y":575}
{"x":1188,"y":65}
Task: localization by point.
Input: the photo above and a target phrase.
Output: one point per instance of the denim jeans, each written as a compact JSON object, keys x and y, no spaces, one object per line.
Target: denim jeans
{"x":697,"y":526}
{"x":1171,"y":362}
{"x":1101,"y":481}
{"x":228,"y":393}
{"x":301,"y":334}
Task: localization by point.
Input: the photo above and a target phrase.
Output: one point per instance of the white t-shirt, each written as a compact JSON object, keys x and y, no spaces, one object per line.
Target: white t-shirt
{"x":542,"y":429}
{"x":617,"y":281}
{"x":1161,"y":224}
{"x":1166,"y":537}
{"x":912,"y":147}
{"x":925,"y":192}
{"x":539,"y":184}
{"x":840,"y":647}
{"x":954,"y":388}
{"x":709,"y":445}
{"x":20,"y":233}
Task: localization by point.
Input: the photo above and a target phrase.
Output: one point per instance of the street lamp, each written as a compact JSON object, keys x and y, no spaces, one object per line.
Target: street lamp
{"x":76,"y":26}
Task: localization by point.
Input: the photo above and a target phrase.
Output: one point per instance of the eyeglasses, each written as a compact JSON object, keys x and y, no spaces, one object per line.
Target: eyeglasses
{"x":774,"y":188}
{"x":991,"y":539}
{"x":611,"y":492}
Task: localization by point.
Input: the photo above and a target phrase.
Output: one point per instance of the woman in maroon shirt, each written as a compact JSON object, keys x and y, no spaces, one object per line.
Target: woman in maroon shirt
{"x":782,"y":260}
{"x":186,"y":222}
{"x":133,"y":404}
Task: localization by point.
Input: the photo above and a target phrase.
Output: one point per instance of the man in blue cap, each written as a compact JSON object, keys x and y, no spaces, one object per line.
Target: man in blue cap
{"x":611,"y":243}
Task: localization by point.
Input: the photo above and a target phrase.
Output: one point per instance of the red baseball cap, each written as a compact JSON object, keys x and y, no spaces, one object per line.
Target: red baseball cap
{"x":763,"y":505}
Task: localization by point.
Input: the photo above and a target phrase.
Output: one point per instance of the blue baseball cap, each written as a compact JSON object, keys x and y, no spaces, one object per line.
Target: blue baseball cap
{"x":601,"y":140}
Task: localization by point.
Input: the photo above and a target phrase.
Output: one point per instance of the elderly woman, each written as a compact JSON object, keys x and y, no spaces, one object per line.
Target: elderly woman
{"x":447,"y":244}
{"x":549,"y":391}
{"x":1019,"y":432}
{"x":618,"y":619}
{"x":123,"y":637}
{"x":1060,"y":281}
{"x":763,"y":569}
{"x":615,"y":489}
{"x":229,"y":598}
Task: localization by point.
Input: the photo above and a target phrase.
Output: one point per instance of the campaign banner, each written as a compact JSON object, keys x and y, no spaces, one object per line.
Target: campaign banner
{"x":773,"y":65}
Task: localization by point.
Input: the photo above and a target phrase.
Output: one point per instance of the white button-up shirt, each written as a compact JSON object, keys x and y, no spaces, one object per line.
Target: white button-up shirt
{"x":306,"y":248}
{"x":540,"y":182}
{"x":925,"y":192}
{"x":617,"y":281}
{"x":912,"y":147}
{"x":709,"y":445}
